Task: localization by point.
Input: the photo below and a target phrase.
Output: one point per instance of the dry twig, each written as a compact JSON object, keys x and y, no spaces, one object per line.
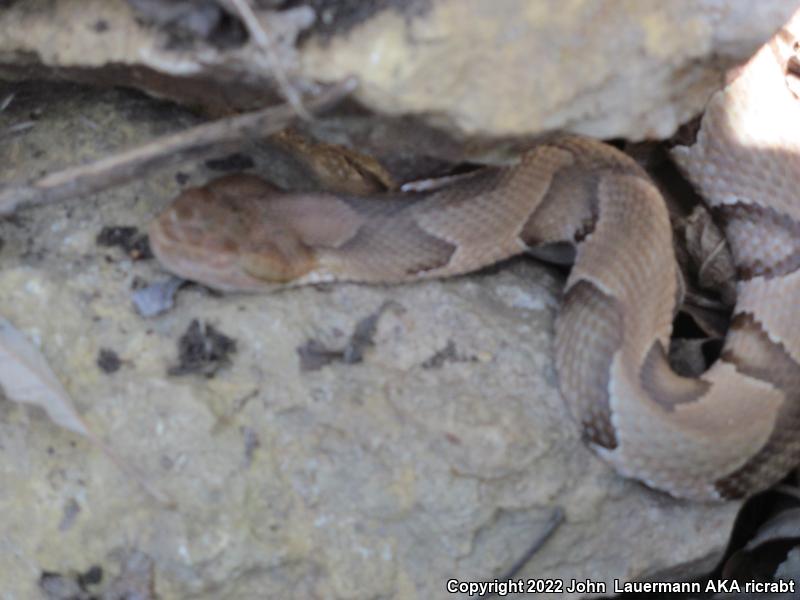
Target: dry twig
{"x":555,"y":519}
{"x":263,"y":40}
{"x":162,"y":152}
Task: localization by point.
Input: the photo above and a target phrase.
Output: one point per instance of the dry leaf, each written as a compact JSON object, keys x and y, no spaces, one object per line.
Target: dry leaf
{"x":336,"y":168}
{"x":706,"y":245}
{"x":26,"y":377}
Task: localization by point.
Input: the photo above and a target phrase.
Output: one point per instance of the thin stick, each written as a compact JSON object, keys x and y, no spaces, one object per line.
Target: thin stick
{"x":162,"y":152}
{"x":264,"y":42}
{"x":555,"y":519}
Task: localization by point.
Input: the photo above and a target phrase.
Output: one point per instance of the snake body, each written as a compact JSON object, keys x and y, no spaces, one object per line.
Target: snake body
{"x":728,"y":433}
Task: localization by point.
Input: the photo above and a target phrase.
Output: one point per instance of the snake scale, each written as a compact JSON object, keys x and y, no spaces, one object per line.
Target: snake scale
{"x":730,"y":432}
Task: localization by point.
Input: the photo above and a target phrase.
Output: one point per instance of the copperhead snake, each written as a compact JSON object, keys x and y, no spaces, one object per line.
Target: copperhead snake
{"x":728,"y":433}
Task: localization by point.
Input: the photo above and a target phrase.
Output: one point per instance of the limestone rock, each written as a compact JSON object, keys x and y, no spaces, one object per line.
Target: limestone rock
{"x":449,"y":79}
{"x":439,"y":450}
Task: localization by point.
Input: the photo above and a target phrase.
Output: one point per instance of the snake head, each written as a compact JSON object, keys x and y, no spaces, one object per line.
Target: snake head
{"x":223,"y":235}
{"x":240,"y":233}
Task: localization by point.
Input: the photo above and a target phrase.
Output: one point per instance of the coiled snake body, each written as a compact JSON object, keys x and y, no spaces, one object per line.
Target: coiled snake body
{"x":728,"y":433}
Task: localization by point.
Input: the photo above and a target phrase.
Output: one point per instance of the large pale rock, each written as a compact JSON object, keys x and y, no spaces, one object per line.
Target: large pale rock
{"x":442,"y":454}
{"x":461,"y":74}
{"x":606,"y":68}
